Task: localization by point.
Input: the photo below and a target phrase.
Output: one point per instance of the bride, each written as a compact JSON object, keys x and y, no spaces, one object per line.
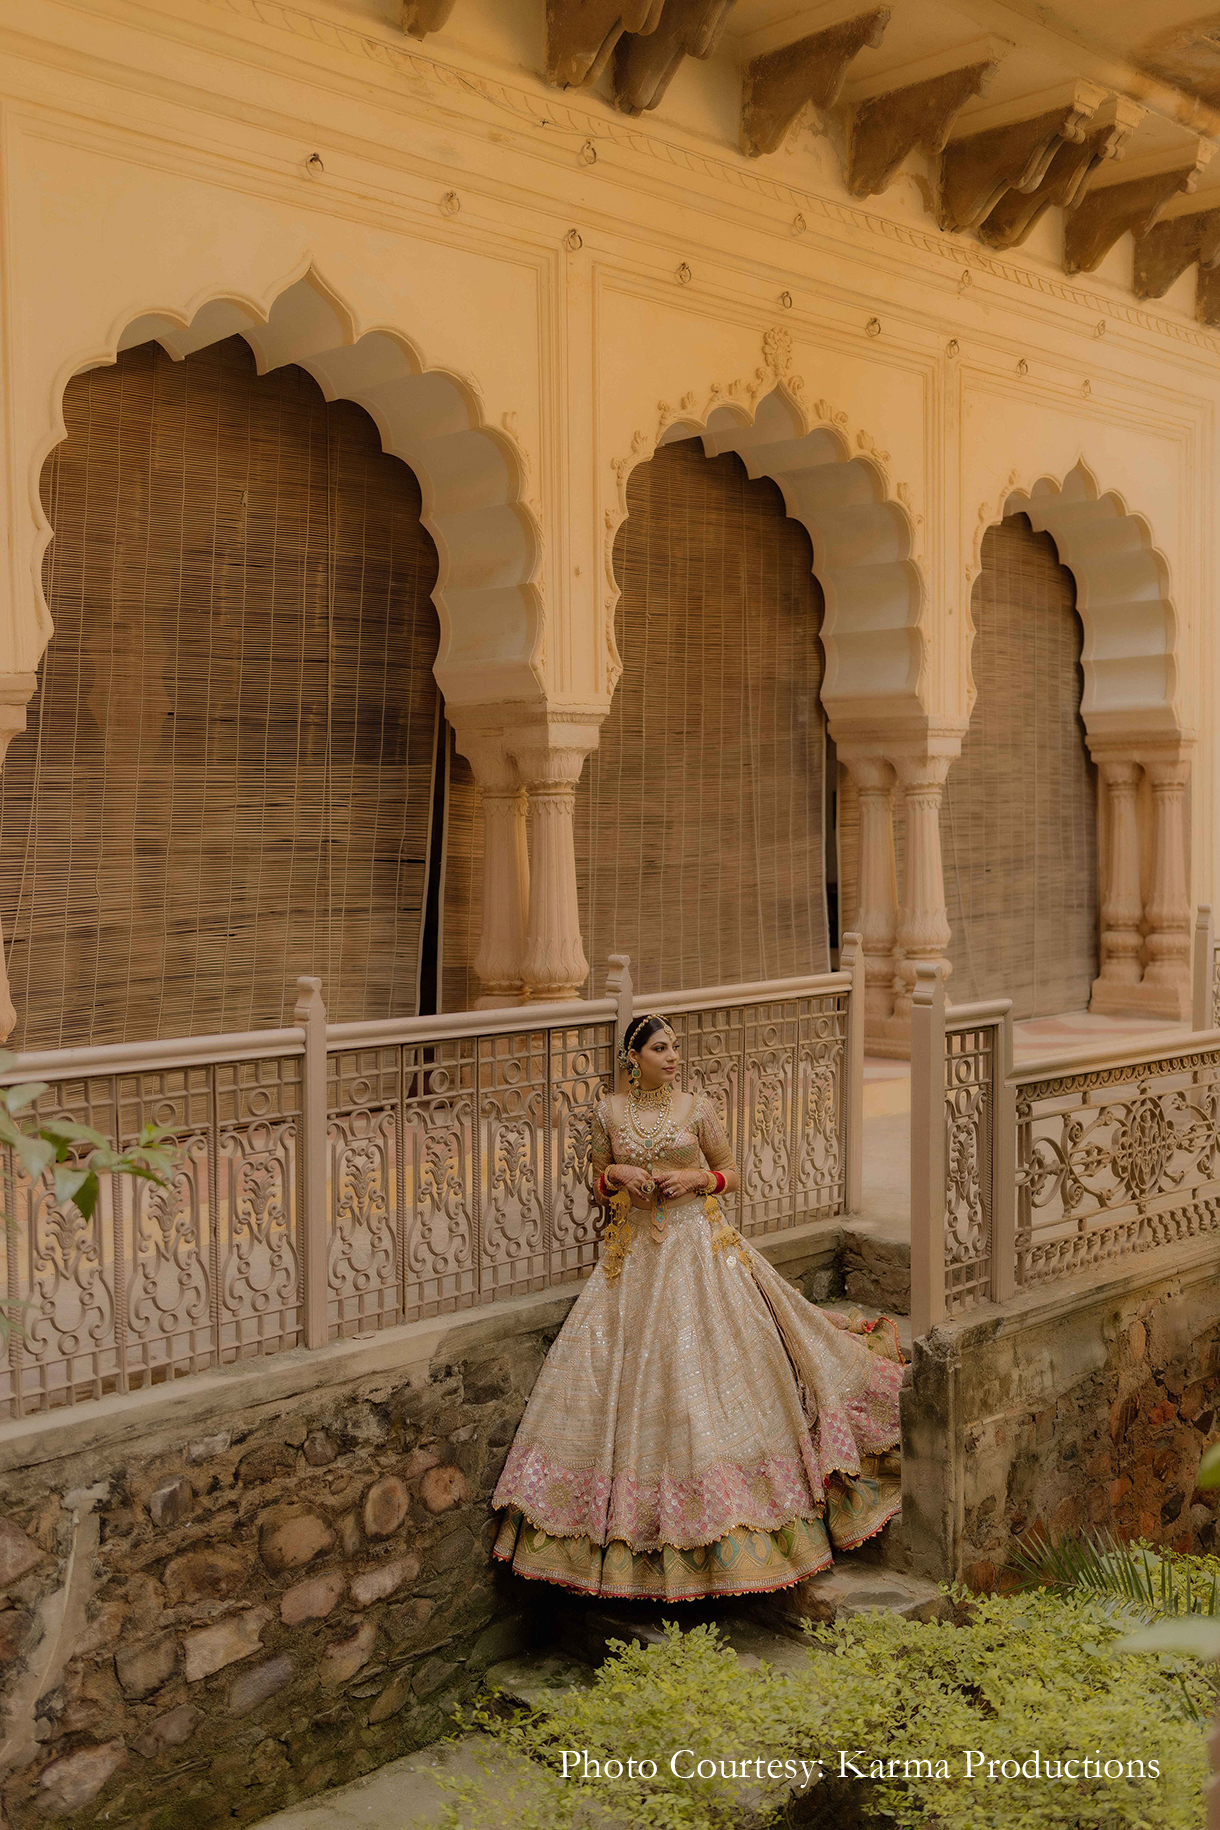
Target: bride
{"x":698,"y":1428}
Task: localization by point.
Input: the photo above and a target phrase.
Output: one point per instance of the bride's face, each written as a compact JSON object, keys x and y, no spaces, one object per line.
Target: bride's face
{"x":659,"y":1060}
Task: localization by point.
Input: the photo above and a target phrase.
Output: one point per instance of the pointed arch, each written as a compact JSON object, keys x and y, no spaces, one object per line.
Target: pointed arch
{"x":471,"y":475}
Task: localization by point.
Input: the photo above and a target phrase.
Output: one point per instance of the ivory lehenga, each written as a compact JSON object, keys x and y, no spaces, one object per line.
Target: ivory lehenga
{"x":697,"y":1428}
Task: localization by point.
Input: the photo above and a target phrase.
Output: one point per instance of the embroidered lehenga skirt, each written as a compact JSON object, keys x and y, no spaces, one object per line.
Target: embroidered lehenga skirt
{"x":698,"y":1428}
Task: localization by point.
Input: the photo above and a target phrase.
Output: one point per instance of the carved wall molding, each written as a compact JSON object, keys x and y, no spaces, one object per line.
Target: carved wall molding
{"x":452,"y":88}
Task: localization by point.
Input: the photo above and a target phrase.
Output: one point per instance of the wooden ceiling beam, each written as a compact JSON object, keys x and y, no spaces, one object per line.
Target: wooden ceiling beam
{"x":977,"y":170}
{"x":1013,"y":218}
{"x":1164,"y":253}
{"x":644,"y":67}
{"x":1104,"y":215}
{"x":780,"y":83}
{"x":581,"y":35}
{"x":880,"y":132}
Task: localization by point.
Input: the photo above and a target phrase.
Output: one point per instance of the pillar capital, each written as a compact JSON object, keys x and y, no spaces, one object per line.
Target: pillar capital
{"x":550,"y":752}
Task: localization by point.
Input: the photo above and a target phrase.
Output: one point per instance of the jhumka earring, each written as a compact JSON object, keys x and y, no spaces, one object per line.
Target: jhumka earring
{"x":633,"y":1075}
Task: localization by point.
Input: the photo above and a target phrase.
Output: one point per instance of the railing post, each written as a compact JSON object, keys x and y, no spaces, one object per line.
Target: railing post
{"x":1201,"y":969}
{"x":927,"y":1148}
{"x":851,"y":959}
{"x":618,"y":985}
{"x":1003,"y":1166}
{"x":313,"y":1228}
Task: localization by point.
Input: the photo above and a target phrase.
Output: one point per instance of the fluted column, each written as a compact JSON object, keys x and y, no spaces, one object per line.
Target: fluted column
{"x":877,"y":900}
{"x":499,"y":960}
{"x":16,"y":691}
{"x":923,"y":921}
{"x":1121,"y":904}
{"x":1167,"y":911}
{"x":550,"y":761}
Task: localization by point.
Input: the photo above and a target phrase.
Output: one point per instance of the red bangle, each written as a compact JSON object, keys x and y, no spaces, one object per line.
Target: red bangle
{"x":721,"y":1182}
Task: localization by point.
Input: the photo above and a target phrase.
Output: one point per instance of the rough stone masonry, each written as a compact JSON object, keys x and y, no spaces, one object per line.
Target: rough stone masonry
{"x":229,"y":1622}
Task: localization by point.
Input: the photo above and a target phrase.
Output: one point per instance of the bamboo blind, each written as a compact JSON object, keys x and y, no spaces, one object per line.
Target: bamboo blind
{"x":699,"y":818}
{"x":1018,"y":820}
{"x":462,"y":901}
{"x":226,"y":777}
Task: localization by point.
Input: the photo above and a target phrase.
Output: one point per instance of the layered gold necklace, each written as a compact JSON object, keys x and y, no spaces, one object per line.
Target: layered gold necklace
{"x":650,"y":1138}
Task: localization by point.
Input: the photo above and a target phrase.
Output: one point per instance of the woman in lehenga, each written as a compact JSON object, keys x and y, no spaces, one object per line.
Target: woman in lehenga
{"x":698,"y":1428}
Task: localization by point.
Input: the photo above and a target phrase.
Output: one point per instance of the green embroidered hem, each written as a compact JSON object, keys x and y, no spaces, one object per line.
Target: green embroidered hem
{"x":745,"y":1561}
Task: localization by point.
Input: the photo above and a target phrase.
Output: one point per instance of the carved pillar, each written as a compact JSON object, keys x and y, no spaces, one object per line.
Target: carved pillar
{"x":501,"y":949}
{"x":16,"y":690}
{"x":1121,"y":903}
{"x":550,"y":760}
{"x":877,"y":912}
{"x":1167,"y":911}
{"x":923,"y":923}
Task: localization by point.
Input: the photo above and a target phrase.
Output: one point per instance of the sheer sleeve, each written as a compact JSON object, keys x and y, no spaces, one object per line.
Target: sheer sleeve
{"x":599,"y":1139}
{"x":712,"y":1140}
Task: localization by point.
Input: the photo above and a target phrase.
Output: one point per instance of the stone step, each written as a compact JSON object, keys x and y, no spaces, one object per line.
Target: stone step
{"x":853,"y":1586}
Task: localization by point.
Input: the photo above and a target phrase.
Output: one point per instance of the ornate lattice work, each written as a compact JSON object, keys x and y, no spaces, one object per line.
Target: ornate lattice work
{"x":1116,"y":1161}
{"x":459,"y":1171}
{"x":775,"y":1072}
{"x":969,"y":1106}
{"x":159,"y":1281}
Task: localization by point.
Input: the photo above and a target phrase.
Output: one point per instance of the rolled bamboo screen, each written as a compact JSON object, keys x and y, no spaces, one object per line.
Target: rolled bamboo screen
{"x":463,"y":891}
{"x":699,"y":818}
{"x":227,"y":772}
{"x":1019,"y":814}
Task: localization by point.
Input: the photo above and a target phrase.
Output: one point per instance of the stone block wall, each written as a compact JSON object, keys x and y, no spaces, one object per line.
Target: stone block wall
{"x":1073,"y":1409}
{"x":231,"y":1594}
{"x":218,"y":1620}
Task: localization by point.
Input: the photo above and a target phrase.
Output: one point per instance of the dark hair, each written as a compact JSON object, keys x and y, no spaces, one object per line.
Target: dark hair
{"x":641,"y":1030}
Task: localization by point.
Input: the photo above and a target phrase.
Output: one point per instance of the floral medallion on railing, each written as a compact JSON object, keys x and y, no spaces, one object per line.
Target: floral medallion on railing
{"x":361,"y":1257}
{"x":71,"y":1310}
{"x":819,"y":1164}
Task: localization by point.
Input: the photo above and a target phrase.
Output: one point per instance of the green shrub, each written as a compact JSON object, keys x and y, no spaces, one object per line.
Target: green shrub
{"x":1034,"y":1671}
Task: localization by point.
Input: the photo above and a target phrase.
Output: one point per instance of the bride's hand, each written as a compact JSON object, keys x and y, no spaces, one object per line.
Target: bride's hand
{"x":675,"y":1182}
{"x":638,"y":1183}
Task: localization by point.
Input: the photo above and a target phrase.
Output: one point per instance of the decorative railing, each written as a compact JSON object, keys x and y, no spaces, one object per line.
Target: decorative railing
{"x":1020,"y":1177}
{"x":335,"y":1179}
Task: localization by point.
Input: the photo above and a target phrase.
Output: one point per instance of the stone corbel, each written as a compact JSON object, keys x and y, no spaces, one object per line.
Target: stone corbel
{"x":550,"y":754}
{"x":644,"y":67}
{"x":499,"y":960}
{"x":810,"y":71}
{"x":1166,"y":250}
{"x":977,"y":170}
{"x":1013,"y":218}
{"x":419,"y":17}
{"x":880,"y":132}
{"x":16,"y":691}
{"x":1110,"y":211}
{"x":581,"y":35}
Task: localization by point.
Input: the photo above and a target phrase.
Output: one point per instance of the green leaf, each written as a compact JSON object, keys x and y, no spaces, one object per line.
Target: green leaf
{"x":63,"y":1131}
{"x":34,"y":1152}
{"x":17,"y":1099}
{"x":1209,"y":1467}
{"x":1193,"y":1635}
{"x":86,"y":1197}
{"x":68,"y":1181}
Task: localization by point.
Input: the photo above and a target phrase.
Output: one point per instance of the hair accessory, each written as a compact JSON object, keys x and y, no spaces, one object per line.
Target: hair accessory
{"x":636,"y":1024}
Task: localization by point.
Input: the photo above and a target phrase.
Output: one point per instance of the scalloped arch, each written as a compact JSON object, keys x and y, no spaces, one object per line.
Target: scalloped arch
{"x":1129,"y":654}
{"x":862,"y":539}
{"x":472,"y":476}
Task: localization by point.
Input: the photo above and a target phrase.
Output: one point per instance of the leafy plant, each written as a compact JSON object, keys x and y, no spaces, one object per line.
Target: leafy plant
{"x":1022,"y":1674}
{"x":75,"y":1155}
{"x":1150,"y":1582}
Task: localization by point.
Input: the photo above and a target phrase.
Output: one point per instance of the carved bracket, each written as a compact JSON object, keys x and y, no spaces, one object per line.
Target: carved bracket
{"x":582,"y":34}
{"x":977,"y":170}
{"x":419,"y":17}
{"x":883,"y":130}
{"x":780,"y":83}
{"x":1169,"y":248}
{"x":1073,"y":164}
{"x":644,"y":67}
{"x":1102,"y":216}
